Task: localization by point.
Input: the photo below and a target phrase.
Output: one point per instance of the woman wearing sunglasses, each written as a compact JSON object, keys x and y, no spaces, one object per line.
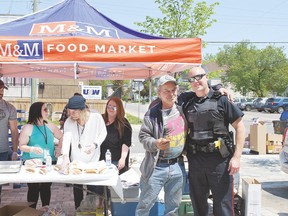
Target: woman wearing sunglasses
{"x":36,"y":137}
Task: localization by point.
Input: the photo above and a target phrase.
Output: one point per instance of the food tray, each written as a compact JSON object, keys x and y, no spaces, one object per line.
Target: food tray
{"x":10,"y":166}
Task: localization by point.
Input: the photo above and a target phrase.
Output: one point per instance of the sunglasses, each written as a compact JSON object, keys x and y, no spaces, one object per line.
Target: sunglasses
{"x":114,"y":108}
{"x":197,"y":77}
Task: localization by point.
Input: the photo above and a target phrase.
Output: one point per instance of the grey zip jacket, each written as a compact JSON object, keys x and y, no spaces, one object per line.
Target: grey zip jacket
{"x":150,"y":131}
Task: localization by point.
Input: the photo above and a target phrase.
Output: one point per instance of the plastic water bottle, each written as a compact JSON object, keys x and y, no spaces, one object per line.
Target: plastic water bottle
{"x":48,"y":160}
{"x":108,"y":158}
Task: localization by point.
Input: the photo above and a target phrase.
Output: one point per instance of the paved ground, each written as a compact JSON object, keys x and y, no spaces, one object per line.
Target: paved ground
{"x":264,"y":168}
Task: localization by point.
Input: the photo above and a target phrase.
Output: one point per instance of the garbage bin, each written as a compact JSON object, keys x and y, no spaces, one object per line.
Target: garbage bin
{"x":279,"y":126}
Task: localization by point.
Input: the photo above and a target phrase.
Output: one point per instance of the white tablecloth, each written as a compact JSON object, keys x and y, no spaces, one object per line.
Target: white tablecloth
{"x":109,"y":178}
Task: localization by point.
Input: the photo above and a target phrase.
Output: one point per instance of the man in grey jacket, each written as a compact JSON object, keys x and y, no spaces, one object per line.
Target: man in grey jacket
{"x":163,"y":135}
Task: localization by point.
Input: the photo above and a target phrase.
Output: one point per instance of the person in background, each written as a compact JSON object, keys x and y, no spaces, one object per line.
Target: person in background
{"x":65,"y":113}
{"x":84,"y":133}
{"x":284,"y":115}
{"x":119,"y":134}
{"x":118,"y":139}
{"x":36,"y":136}
{"x":163,"y":135}
{"x":212,"y":158}
{"x":8,"y":120}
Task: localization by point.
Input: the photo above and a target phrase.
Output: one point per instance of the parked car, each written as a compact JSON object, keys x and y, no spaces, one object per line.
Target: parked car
{"x":259,"y":103}
{"x":283,"y":156}
{"x":276,"y":104}
{"x":246,"y":105}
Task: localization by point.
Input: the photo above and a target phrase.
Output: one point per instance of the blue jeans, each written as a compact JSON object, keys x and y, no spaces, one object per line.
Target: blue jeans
{"x":164,"y":175}
{"x":3,"y":157}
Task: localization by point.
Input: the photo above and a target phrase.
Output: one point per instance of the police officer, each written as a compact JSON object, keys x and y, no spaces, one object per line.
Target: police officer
{"x":212,"y":157}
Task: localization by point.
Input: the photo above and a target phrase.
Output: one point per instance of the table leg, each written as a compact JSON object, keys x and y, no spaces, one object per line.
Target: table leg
{"x":106,"y":198}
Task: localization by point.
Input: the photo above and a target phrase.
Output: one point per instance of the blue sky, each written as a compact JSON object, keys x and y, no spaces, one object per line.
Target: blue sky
{"x":253,"y":20}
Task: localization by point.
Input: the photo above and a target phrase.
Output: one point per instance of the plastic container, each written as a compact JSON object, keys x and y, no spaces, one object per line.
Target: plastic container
{"x":48,"y":160}
{"x":128,"y":207}
{"x":108,"y":158}
{"x":130,"y":192}
{"x":185,"y":208}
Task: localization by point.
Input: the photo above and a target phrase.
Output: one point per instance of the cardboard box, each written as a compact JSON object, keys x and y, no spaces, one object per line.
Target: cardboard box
{"x":19,"y":209}
{"x":274,"y":137}
{"x":273,"y":149}
{"x":258,"y":138}
{"x":251,"y":193}
{"x":8,"y":186}
{"x":98,"y":212}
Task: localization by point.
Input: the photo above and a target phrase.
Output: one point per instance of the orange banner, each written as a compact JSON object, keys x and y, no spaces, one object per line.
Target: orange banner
{"x":85,"y":49}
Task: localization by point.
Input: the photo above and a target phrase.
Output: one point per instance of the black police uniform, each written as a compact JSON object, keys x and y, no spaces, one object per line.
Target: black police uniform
{"x":208,"y":119}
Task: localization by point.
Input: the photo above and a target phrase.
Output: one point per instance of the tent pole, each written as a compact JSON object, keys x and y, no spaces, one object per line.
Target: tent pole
{"x":76,"y":70}
{"x":34,"y":81}
{"x":150,"y":90}
{"x":150,"y":86}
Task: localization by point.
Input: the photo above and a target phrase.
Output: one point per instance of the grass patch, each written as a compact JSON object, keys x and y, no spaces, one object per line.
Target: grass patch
{"x":133,"y":120}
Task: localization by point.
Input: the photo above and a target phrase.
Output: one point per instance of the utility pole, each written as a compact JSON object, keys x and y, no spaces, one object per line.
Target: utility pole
{"x":34,"y":81}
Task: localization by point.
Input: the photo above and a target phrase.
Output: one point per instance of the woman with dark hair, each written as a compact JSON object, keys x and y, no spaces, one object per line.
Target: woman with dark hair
{"x":119,"y":134}
{"x":36,"y":136}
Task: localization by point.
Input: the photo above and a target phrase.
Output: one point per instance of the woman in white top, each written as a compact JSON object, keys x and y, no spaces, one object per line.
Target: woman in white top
{"x":84,"y":132}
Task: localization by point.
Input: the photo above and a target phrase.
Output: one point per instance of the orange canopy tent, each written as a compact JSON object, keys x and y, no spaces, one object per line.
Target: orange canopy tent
{"x":74,"y":40}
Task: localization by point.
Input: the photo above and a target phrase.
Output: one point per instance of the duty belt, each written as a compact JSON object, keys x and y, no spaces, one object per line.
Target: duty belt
{"x":210,"y":147}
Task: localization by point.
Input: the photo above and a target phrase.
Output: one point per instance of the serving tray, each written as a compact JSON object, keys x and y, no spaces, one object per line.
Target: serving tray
{"x":10,"y":166}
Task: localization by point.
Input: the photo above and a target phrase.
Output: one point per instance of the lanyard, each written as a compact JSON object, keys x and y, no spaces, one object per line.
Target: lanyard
{"x":44,"y":134}
{"x":79,"y":135}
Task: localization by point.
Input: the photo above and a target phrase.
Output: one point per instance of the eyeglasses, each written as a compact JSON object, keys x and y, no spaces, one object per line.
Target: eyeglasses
{"x":197,"y":78}
{"x":114,"y":108}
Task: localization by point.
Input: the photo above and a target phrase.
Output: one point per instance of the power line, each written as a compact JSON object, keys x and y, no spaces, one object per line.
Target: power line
{"x":256,"y":42}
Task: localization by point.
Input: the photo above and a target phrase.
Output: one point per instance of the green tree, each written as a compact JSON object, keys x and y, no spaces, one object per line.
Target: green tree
{"x":249,"y":69}
{"x":181,"y":19}
{"x":117,"y":85}
{"x":102,"y":83}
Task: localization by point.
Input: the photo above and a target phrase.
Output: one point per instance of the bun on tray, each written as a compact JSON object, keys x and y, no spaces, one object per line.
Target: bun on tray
{"x":90,"y":171}
{"x":57,"y":167}
{"x":33,"y":162}
{"x":30,"y":170}
{"x":43,"y":171}
{"x":75,"y":171}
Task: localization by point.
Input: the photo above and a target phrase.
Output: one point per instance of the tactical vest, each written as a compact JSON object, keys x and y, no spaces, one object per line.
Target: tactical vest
{"x":205,"y":122}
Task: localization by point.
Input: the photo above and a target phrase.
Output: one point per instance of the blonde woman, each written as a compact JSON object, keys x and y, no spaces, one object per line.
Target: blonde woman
{"x":84,"y":133}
